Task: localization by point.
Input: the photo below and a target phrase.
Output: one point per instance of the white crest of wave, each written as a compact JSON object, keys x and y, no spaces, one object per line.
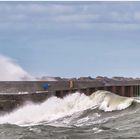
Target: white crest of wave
{"x":108,"y":101}
{"x":10,"y":71}
{"x":55,"y":108}
{"x":50,"y":110}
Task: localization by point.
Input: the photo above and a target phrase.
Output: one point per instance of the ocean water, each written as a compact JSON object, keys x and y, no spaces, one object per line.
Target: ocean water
{"x":100,"y":115}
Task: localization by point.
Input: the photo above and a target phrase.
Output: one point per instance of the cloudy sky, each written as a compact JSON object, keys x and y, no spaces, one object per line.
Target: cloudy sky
{"x":71,"y":39}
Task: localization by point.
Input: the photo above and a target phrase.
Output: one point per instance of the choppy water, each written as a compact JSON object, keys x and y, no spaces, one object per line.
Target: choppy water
{"x":101,"y":115}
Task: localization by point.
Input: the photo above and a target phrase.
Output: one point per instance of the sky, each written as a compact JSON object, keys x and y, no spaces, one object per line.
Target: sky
{"x":72,"y":39}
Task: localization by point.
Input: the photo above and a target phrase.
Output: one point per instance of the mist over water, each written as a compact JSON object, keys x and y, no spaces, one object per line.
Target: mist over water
{"x":10,"y":71}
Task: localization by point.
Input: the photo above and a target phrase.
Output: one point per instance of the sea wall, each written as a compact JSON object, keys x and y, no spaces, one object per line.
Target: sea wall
{"x":33,"y":86}
{"x":11,"y":98}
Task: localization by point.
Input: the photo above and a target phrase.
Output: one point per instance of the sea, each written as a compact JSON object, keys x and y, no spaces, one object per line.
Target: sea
{"x":102,"y":115}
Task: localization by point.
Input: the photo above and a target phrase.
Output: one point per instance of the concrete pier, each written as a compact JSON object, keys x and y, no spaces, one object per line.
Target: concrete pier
{"x":129,"y":89}
{"x":15,"y":93}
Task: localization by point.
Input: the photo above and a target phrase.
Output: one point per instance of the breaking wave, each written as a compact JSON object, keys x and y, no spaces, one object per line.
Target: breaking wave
{"x":10,"y":71}
{"x":108,"y":101}
{"x":76,"y":106}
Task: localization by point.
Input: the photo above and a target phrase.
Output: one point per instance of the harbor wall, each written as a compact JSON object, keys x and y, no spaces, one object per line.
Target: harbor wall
{"x":14,"y":94}
{"x":33,"y":86}
{"x":13,"y":87}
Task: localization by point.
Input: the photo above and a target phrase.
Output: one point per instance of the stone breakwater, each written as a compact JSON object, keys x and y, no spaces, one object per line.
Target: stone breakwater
{"x":15,"y":93}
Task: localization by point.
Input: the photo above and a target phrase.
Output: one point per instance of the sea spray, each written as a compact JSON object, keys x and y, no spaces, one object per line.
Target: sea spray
{"x":52,"y":109}
{"x":56,"y":108}
{"x":10,"y":71}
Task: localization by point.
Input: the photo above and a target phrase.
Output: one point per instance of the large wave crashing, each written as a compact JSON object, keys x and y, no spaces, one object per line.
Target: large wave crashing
{"x":10,"y":71}
{"x":72,"y":105}
{"x":108,"y":101}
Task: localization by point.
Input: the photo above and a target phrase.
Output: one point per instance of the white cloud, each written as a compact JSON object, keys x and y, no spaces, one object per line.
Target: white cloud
{"x":109,"y":26}
{"x":33,"y":8}
{"x":121,"y":17}
{"x":16,"y":17}
{"x":85,"y":16}
{"x":75,"y":18}
{"x":137,"y":15}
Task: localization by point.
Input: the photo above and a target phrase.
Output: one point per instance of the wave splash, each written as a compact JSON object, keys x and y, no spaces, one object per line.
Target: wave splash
{"x":10,"y":71}
{"x":56,"y":108}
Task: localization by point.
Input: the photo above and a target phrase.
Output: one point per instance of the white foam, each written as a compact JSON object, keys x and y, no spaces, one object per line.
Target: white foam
{"x":10,"y":71}
{"x":51,"y":109}
{"x":55,"y":108}
{"x":108,"y":101}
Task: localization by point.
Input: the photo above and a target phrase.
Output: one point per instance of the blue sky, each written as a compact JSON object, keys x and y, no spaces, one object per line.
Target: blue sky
{"x":72,"y":39}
